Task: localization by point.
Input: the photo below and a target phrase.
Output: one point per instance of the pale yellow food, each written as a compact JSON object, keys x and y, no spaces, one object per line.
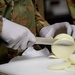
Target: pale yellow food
{"x":63,"y":35}
{"x":72,"y":59}
{"x":62,"y":51}
{"x":59,"y":66}
{"x":52,"y":56}
{"x":71,"y":68}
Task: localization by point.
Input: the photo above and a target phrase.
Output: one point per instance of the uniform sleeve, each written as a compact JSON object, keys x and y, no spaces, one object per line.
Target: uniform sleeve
{"x":2,"y":10}
{"x":71,"y":6}
{"x":40,"y":21}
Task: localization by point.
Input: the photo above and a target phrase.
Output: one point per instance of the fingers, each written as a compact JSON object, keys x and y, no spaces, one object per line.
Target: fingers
{"x":56,"y":26}
{"x":17,"y":45}
{"x":51,"y":33}
{"x":73,"y":31}
{"x":44,"y":31}
{"x":68,"y":27}
{"x":24,"y":42}
{"x":24,"y":45}
{"x":63,"y":24}
{"x":31,"y":41}
{"x":13,"y":42}
{"x":28,"y":41}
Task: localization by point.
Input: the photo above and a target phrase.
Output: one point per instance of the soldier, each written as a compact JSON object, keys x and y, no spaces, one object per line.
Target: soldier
{"x":20,"y":22}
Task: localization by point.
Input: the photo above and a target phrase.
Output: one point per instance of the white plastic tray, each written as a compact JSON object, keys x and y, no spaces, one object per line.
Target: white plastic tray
{"x":23,"y":65}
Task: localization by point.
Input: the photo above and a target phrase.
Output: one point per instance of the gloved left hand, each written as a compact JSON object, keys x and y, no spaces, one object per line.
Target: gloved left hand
{"x":50,"y":30}
{"x":73,"y":31}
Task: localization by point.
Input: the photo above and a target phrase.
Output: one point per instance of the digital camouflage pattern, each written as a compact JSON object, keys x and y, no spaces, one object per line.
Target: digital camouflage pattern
{"x":24,"y":13}
{"x":71,"y":6}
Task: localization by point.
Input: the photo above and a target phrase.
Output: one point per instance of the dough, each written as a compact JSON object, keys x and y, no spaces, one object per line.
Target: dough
{"x":63,"y":35}
{"x":52,"y":56}
{"x":72,"y":59}
{"x":71,"y":68}
{"x":63,"y":51}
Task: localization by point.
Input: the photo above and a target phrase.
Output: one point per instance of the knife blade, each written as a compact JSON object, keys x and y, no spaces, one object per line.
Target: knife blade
{"x":50,"y":41}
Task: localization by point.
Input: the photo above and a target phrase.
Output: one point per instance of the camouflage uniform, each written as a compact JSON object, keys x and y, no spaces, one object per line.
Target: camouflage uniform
{"x":23,"y":13}
{"x":71,"y":6}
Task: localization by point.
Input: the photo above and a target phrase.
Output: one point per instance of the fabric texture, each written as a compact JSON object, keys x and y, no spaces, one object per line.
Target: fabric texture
{"x":71,"y":6}
{"x":24,"y":13}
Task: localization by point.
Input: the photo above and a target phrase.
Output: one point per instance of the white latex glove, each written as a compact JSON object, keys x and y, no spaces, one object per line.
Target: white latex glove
{"x":49,"y":31}
{"x":73,"y":31}
{"x":17,"y":36}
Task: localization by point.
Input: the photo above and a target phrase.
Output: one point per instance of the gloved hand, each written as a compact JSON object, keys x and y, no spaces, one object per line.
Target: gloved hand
{"x":73,"y":31}
{"x":49,"y":31}
{"x":17,"y":36}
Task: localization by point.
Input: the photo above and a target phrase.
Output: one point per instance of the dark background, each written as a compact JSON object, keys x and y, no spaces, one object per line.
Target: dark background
{"x":56,"y":11}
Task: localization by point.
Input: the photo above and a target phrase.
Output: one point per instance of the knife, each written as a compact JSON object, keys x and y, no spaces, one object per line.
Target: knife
{"x":50,"y":41}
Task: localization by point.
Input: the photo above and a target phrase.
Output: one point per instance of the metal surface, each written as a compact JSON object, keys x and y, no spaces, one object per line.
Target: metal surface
{"x":50,"y":41}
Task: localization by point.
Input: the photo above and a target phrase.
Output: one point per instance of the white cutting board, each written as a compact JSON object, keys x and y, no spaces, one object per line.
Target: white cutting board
{"x":34,"y":66}
{"x":37,"y":64}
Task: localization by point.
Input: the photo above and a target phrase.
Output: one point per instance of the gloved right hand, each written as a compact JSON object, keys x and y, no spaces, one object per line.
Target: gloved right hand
{"x":17,"y":36}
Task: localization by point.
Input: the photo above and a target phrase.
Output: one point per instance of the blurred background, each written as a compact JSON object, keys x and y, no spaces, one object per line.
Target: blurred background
{"x":56,"y":10}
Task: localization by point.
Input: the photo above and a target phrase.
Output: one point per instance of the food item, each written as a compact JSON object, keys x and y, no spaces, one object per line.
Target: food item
{"x":72,"y":59}
{"x":52,"y":56}
{"x":71,"y":68}
{"x":63,"y":35}
{"x":62,"y":51}
{"x":59,"y":66}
